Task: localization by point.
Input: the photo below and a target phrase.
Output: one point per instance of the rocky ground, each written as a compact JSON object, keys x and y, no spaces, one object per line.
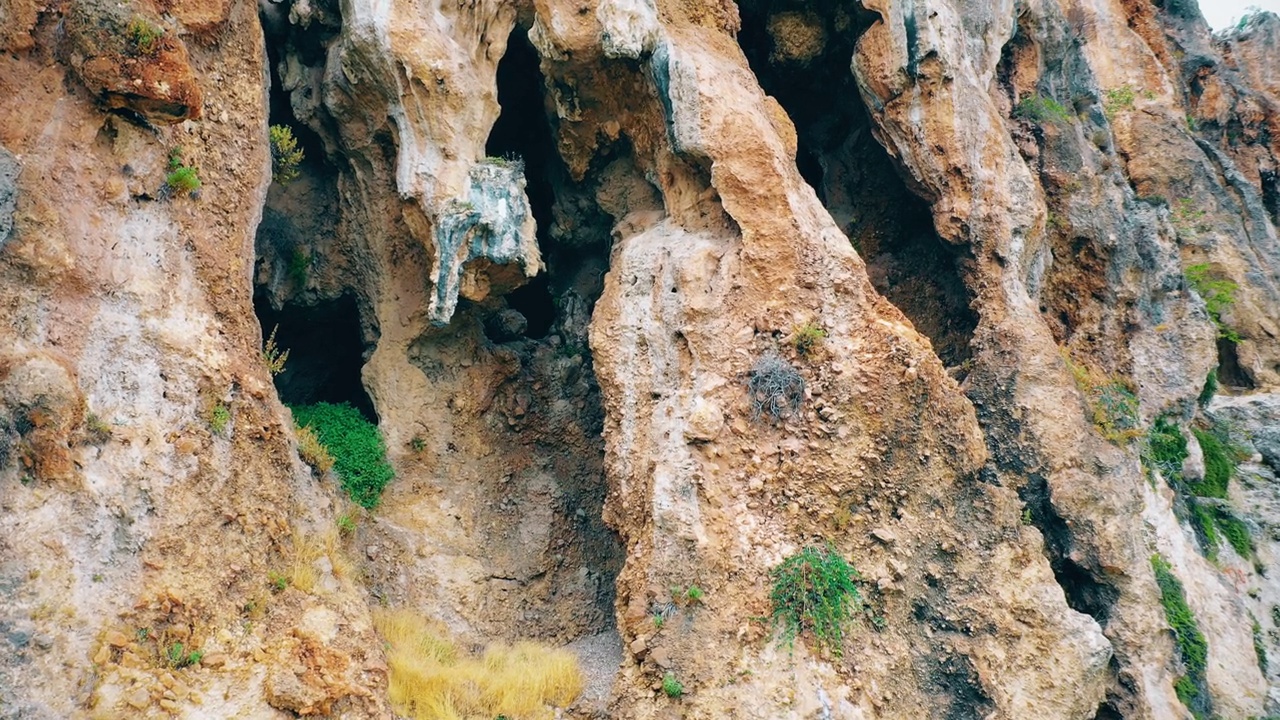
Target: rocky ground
{"x":989,"y":255}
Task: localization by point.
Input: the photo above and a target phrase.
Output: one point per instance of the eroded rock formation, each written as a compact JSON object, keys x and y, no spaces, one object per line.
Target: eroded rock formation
{"x":996,"y":249}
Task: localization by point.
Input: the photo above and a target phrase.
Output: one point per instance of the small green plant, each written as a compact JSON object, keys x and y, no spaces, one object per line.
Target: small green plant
{"x":1210,"y":388}
{"x":219,"y":416}
{"x":1191,"y":124}
{"x":1118,"y":99}
{"x":346,"y":524}
{"x":97,"y":429}
{"x":1026,"y":516}
{"x":1218,"y":295}
{"x":658,"y":620}
{"x":359,"y":453}
{"x":278,"y":581}
{"x":1192,"y":646}
{"x":417,"y":443}
{"x":142,"y":634}
{"x":179,"y":658}
{"x":694,"y":593}
{"x":671,"y":686}
{"x":144,"y":37}
{"x":1187,"y":218}
{"x":182,"y":178}
{"x":272,"y":355}
{"x":815,"y":590}
{"x":807,"y":338}
{"x":1040,"y":109}
{"x":285,"y":154}
{"x":299,"y":267}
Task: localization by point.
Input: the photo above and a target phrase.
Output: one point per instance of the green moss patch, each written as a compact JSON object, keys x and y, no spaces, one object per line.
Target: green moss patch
{"x":1192,"y":646}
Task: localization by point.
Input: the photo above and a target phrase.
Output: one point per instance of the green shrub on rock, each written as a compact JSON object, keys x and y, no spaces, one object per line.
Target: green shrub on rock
{"x":815,"y":590}
{"x":359,"y":453}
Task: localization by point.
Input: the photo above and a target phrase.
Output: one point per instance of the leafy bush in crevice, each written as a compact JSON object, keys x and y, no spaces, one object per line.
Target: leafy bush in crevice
{"x":1202,"y":520}
{"x":359,"y":453}
{"x":1191,"y":644}
{"x":285,"y":154}
{"x":775,"y":388}
{"x":1041,"y":109}
{"x":815,"y":590}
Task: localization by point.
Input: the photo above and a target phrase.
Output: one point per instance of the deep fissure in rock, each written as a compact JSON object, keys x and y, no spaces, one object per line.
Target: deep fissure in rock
{"x":800,"y":54}
{"x":1085,"y":592}
{"x":326,"y":352}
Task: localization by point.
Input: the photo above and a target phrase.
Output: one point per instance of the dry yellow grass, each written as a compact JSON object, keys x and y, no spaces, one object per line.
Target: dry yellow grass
{"x":432,"y":680}
{"x":307,"y":549}
{"x":313,"y":452}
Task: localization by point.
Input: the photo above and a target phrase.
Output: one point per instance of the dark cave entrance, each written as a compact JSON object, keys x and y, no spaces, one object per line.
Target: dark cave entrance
{"x":800,"y":52}
{"x":326,"y":352}
{"x":523,"y":132}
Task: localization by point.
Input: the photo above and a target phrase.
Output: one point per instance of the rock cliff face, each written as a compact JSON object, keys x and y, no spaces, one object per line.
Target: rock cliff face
{"x":645,"y":297}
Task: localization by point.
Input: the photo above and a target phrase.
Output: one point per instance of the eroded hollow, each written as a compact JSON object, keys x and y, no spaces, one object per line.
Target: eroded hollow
{"x":800,"y":54}
{"x":326,"y":352}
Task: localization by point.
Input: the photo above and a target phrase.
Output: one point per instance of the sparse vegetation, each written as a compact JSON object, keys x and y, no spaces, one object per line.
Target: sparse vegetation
{"x":814,"y":590}
{"x":1192,"y":646}
{"x":285,"y":154}
{"x":346,"y":524}
{"x":1166,"y":449}
{"x":671,"y":686}
{"x":431,"y":677}
{"x":182,"y":178}
{"x":1210,"y":388}
{"x":417,"y":443}
{"x":1259,"y":646}
{"x":694,"y":593}
{"x":179,"y":657}
{"x":312,"y":451}
{"x":1118,"y":99}
{"x":272,"y":355}
{"x":1041,"y":109}
{"x":143,"y":36}
{"x":1113,"y":405}
{"x":1187,"y":219}
{"x":775,"y":388}
{"x":219,"y":417}
{"x":96,"y":429}
{"x":278,"y":581}
{"x":1218,"y":295}
{"x":356,"y":446}
{"x":304,"y":574}
{"x":807,"y":339}
{"x":299,"y":267}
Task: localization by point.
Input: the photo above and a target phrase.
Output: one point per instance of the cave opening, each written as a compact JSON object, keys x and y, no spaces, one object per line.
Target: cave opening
{"x":326,"y":352}
{"x":800,"y":53}
{"x":522,"y":133}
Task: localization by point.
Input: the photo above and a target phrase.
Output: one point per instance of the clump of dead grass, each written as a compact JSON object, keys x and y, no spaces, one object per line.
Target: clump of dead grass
{"x":431,"y":679}
{"x":307,"y":549}
{"x":313,"y":452}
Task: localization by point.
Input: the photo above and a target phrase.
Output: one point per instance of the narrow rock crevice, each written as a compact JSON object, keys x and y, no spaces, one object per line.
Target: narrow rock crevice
{"x":801,"y":58}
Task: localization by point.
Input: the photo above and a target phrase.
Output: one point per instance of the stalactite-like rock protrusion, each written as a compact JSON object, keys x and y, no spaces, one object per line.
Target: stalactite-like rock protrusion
{"x":484,"y":241}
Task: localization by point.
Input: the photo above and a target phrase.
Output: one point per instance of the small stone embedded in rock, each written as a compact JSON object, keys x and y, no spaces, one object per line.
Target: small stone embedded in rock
{"x":884,"y":535}
{"x":705,"y":421}
{"x":506,"y":325}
